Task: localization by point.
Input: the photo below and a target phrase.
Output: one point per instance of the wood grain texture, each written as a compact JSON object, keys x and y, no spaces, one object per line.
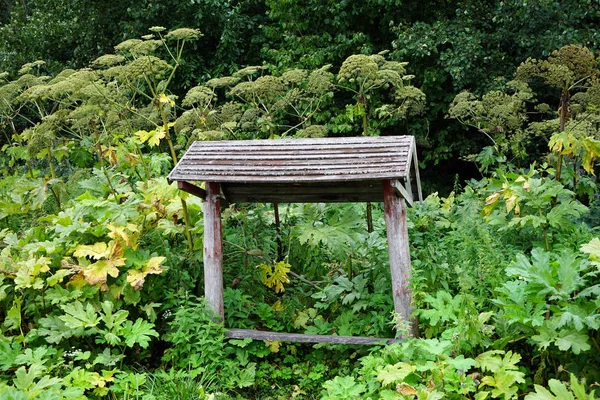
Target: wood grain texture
{"x":192,"y":189}
{"x":399,"y":253}
{"x":300,"y":170}
{"x":303,"y":338}
{"x":213,"y":249}
{"x":417,"y":175}
{"x":296,"y":160}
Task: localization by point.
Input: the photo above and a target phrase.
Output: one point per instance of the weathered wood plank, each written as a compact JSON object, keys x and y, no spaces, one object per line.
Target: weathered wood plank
{"x":303,"y":338}
{"x":343,"y":141}
{"x":310,"y":192}
{"x":293,"y":161}
{"x":250,"y":155}
{"x":307,"y":187}
{"x":276,"y":178}
{"x":402,"y":192}
{"x":273,"y":171}
{"x":399,"y":253}
{"x":303,"y":170}
{"x":296,"y":163}
{"x":307,"y":198}
{"x":291,"y":149}
{"x":192,"y":189}
{"x":213,"y":249}
{"x":417,"y":177}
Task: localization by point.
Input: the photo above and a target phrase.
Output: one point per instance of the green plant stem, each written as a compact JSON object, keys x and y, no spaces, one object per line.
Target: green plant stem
{"x":44,"y":300}
{"x":112,"y":189}
{"x":99,"y":150}
{"x":278,"y":232}
{"x":369,"y":217}
{"x":564,"y":100}
{"x":596,"y":345}
{"x":51,"y":163}
{"x":558,"y":167}
{"x":188,"y":224}
{"x":29,"y":168}
{"x":186,"y":215}
{"x":365,"y":122}
{"x":143,"y":161}
{"x":56,"y":198}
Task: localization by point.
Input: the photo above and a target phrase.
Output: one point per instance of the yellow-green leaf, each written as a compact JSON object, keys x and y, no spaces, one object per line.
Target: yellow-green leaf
{"x":97,"y":272}
{"x":153,"y":137}
{"x":96,"y":251}
{"x":136,"y":278}
{"x":275,"y":276}
{"x":164,"y":99}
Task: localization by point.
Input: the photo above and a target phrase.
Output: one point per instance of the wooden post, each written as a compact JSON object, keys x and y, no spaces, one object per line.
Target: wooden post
{"x":213,"y":249}
{"x":400,"y":266}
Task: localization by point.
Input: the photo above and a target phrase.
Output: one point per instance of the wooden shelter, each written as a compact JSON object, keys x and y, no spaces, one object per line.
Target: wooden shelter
{"x":354,"y":169}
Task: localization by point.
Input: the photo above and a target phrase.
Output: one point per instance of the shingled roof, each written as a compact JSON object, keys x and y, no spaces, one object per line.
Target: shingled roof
{"x":301,"y":170}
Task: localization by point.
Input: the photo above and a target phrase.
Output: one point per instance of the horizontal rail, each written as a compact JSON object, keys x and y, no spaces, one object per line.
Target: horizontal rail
{"x":304,"y":338}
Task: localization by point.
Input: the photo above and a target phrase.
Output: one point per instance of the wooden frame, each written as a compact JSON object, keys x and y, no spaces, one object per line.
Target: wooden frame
{"x":395,"y":191}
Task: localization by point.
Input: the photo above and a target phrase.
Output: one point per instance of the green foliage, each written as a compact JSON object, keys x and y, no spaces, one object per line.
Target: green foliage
{"x":561,"y":391}
{"x":198,"y":344}
{"x":99,"y":256}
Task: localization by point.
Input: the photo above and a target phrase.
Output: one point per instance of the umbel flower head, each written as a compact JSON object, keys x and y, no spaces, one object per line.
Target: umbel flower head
{"x":183,"y":34}
{"x":226,"y":81}
{"x":358,"y":67}
{"x":108,"y":60}
{"x":199,"y":96}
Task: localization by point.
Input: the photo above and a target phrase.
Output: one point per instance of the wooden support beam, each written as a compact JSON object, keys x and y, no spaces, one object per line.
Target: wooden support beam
{"x":213,"y":249}
{"x":402,"y":192}
{"x":303,"y":338}
{"x":192,"y":189}
{"x":400,"y":266}
{"x":417,"y":177}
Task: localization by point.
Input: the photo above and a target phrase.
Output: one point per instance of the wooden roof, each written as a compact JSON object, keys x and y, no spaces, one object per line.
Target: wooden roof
{"x":299,"y":170}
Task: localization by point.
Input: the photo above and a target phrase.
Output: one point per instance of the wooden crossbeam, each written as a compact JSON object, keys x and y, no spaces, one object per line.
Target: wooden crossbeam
{"x":192,"y":189}
{"x":402,"y":192}
{"x":417,"y":177}
{"x":304,"y":338}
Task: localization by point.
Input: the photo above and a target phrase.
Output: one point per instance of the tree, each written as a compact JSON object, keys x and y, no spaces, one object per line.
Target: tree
{"x":476,"y":46}
{"x":516,"y":116}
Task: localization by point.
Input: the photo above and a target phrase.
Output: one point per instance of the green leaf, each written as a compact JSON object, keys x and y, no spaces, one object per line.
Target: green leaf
{"x":55,"y":330}
{"x":8,"y":353}
{"x":139,"y":333}
{"x":490,"y":360}
{"x":593,"y":249}
{"x":462,"y":363}
{"x":545,"y":337}
{"x":395,"y":373}
{"x":10,"y":393}
{"x":579,"y":389}
{"x":574,"y":341}
{"x":247,"y":375}
{"x":113,"y":321}
{"x":13,"y":316}
{"x":107,"y":358}
{"x":559,"y":392}
{"x":343,"y":388}
{"x":78,"y":317}
{"x":39,"y":356}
